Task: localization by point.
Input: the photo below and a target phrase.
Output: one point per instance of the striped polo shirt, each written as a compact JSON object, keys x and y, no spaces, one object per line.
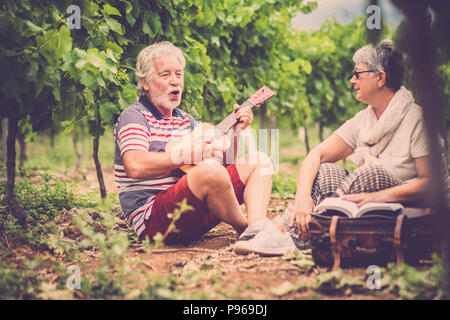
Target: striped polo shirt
{"x":142,"y":127}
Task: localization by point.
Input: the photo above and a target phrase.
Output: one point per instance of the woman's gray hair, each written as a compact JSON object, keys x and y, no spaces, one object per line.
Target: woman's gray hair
{"x":145,"y":63}
{"x":383,"y":58}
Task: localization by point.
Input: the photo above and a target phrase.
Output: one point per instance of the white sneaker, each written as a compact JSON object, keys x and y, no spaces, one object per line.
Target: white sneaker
{"x":251,"y":231}
{"x":270,"y":241}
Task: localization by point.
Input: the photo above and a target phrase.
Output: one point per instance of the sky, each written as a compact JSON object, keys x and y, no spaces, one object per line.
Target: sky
{"x":344,"y":11}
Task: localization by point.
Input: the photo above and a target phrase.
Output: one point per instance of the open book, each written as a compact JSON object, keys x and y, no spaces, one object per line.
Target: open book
{"x":337,"y":206}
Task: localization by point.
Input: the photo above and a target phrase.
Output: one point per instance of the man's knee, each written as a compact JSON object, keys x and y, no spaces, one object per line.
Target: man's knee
{"x":210,"y":174}
{"x":263,"y":159}
{"x":257,"y":159}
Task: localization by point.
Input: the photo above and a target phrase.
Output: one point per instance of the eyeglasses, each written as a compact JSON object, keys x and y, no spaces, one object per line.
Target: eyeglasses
{"x":357,"y":73}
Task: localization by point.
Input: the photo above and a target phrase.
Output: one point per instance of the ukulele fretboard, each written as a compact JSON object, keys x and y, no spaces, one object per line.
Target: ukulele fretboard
{"x":230,"y":120}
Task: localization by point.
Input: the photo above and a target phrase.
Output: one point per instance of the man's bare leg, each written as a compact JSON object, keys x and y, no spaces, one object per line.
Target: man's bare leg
{"x":211,"y":182}
{"x":255,"y":171}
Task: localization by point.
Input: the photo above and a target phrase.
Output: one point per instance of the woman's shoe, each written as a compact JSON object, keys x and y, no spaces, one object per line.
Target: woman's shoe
{"x":270,"y":241}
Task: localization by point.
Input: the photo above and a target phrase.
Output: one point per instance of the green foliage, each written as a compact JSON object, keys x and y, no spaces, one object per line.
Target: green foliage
{"x":232,"y":48}
{"x":43,"y":200}
{"x":443,"y":74}
{"x":91,"y":201}
{"x":77,"y":71}
{"x":330,"y":51}
{"x":102,"y":285}
{"x":98,"y":229}
{"x":34,"y":38}
{"x":17,"y":283}
{"x":110,"y":242}
{"x":27,"y":129}
{"x":408,"y":282}
{"x":302,"y":259}
{"x":61,"y":156}
{"x":337,"y":282}
{"x":161,"y":288}
{"x":112,"y":276}
{"x":94,"y":68}
{"x":284,"y":185}
{"x":287,"y":287}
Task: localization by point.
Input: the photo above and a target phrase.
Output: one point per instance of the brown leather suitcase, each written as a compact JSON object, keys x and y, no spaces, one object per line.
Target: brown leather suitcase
{"x":375,"y":239}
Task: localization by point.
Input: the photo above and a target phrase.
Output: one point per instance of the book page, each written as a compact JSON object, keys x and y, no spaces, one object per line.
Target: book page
{"x":347,"y":207}
{"x":379,"y":206}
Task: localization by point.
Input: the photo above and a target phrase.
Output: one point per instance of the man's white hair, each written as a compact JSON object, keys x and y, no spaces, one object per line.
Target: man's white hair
{"x":145,"y":61}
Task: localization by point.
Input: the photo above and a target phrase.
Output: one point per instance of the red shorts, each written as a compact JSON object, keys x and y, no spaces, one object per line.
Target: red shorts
{"x":193,"y":223}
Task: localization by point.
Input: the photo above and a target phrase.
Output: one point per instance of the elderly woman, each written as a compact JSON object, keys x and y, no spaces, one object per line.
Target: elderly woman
{"x":386,"y":141}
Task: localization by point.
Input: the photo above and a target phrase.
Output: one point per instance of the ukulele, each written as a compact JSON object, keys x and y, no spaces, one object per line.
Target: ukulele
{"x":215,"y":135}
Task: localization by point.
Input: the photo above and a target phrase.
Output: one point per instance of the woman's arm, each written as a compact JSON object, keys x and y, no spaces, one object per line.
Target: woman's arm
{"x":401,"y":193}
{"x":331,"y":150}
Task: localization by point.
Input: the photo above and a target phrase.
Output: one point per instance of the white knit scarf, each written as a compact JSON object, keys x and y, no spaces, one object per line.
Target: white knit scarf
{"x":375,"y":134}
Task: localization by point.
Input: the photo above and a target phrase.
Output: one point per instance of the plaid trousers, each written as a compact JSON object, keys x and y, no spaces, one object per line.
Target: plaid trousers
{"x":366,"y":178}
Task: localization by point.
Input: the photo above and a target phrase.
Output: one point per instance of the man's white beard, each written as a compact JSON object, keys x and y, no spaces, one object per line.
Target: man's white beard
{"x":162,"y":99}
{"x":164,"y":102}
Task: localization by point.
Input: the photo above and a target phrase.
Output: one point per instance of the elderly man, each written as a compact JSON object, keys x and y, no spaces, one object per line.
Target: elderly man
{"x":149,"y":180}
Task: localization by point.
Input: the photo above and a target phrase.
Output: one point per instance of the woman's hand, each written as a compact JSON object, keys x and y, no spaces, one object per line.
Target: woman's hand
{"x":244,"y":116}
{"x":300,"y":211}
{"x":365,"y":197}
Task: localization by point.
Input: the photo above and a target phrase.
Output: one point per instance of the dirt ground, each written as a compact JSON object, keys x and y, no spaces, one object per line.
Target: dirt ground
{"x":219,"y":273}
{"x":208,"y":268}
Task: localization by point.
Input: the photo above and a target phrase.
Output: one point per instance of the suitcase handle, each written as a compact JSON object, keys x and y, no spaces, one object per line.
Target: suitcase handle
{"x":317,"y":225}
{"x":335,"y":246}
{"x":353,"y":243}
{"x":365,"y":250}
{"x":398,"y":238}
